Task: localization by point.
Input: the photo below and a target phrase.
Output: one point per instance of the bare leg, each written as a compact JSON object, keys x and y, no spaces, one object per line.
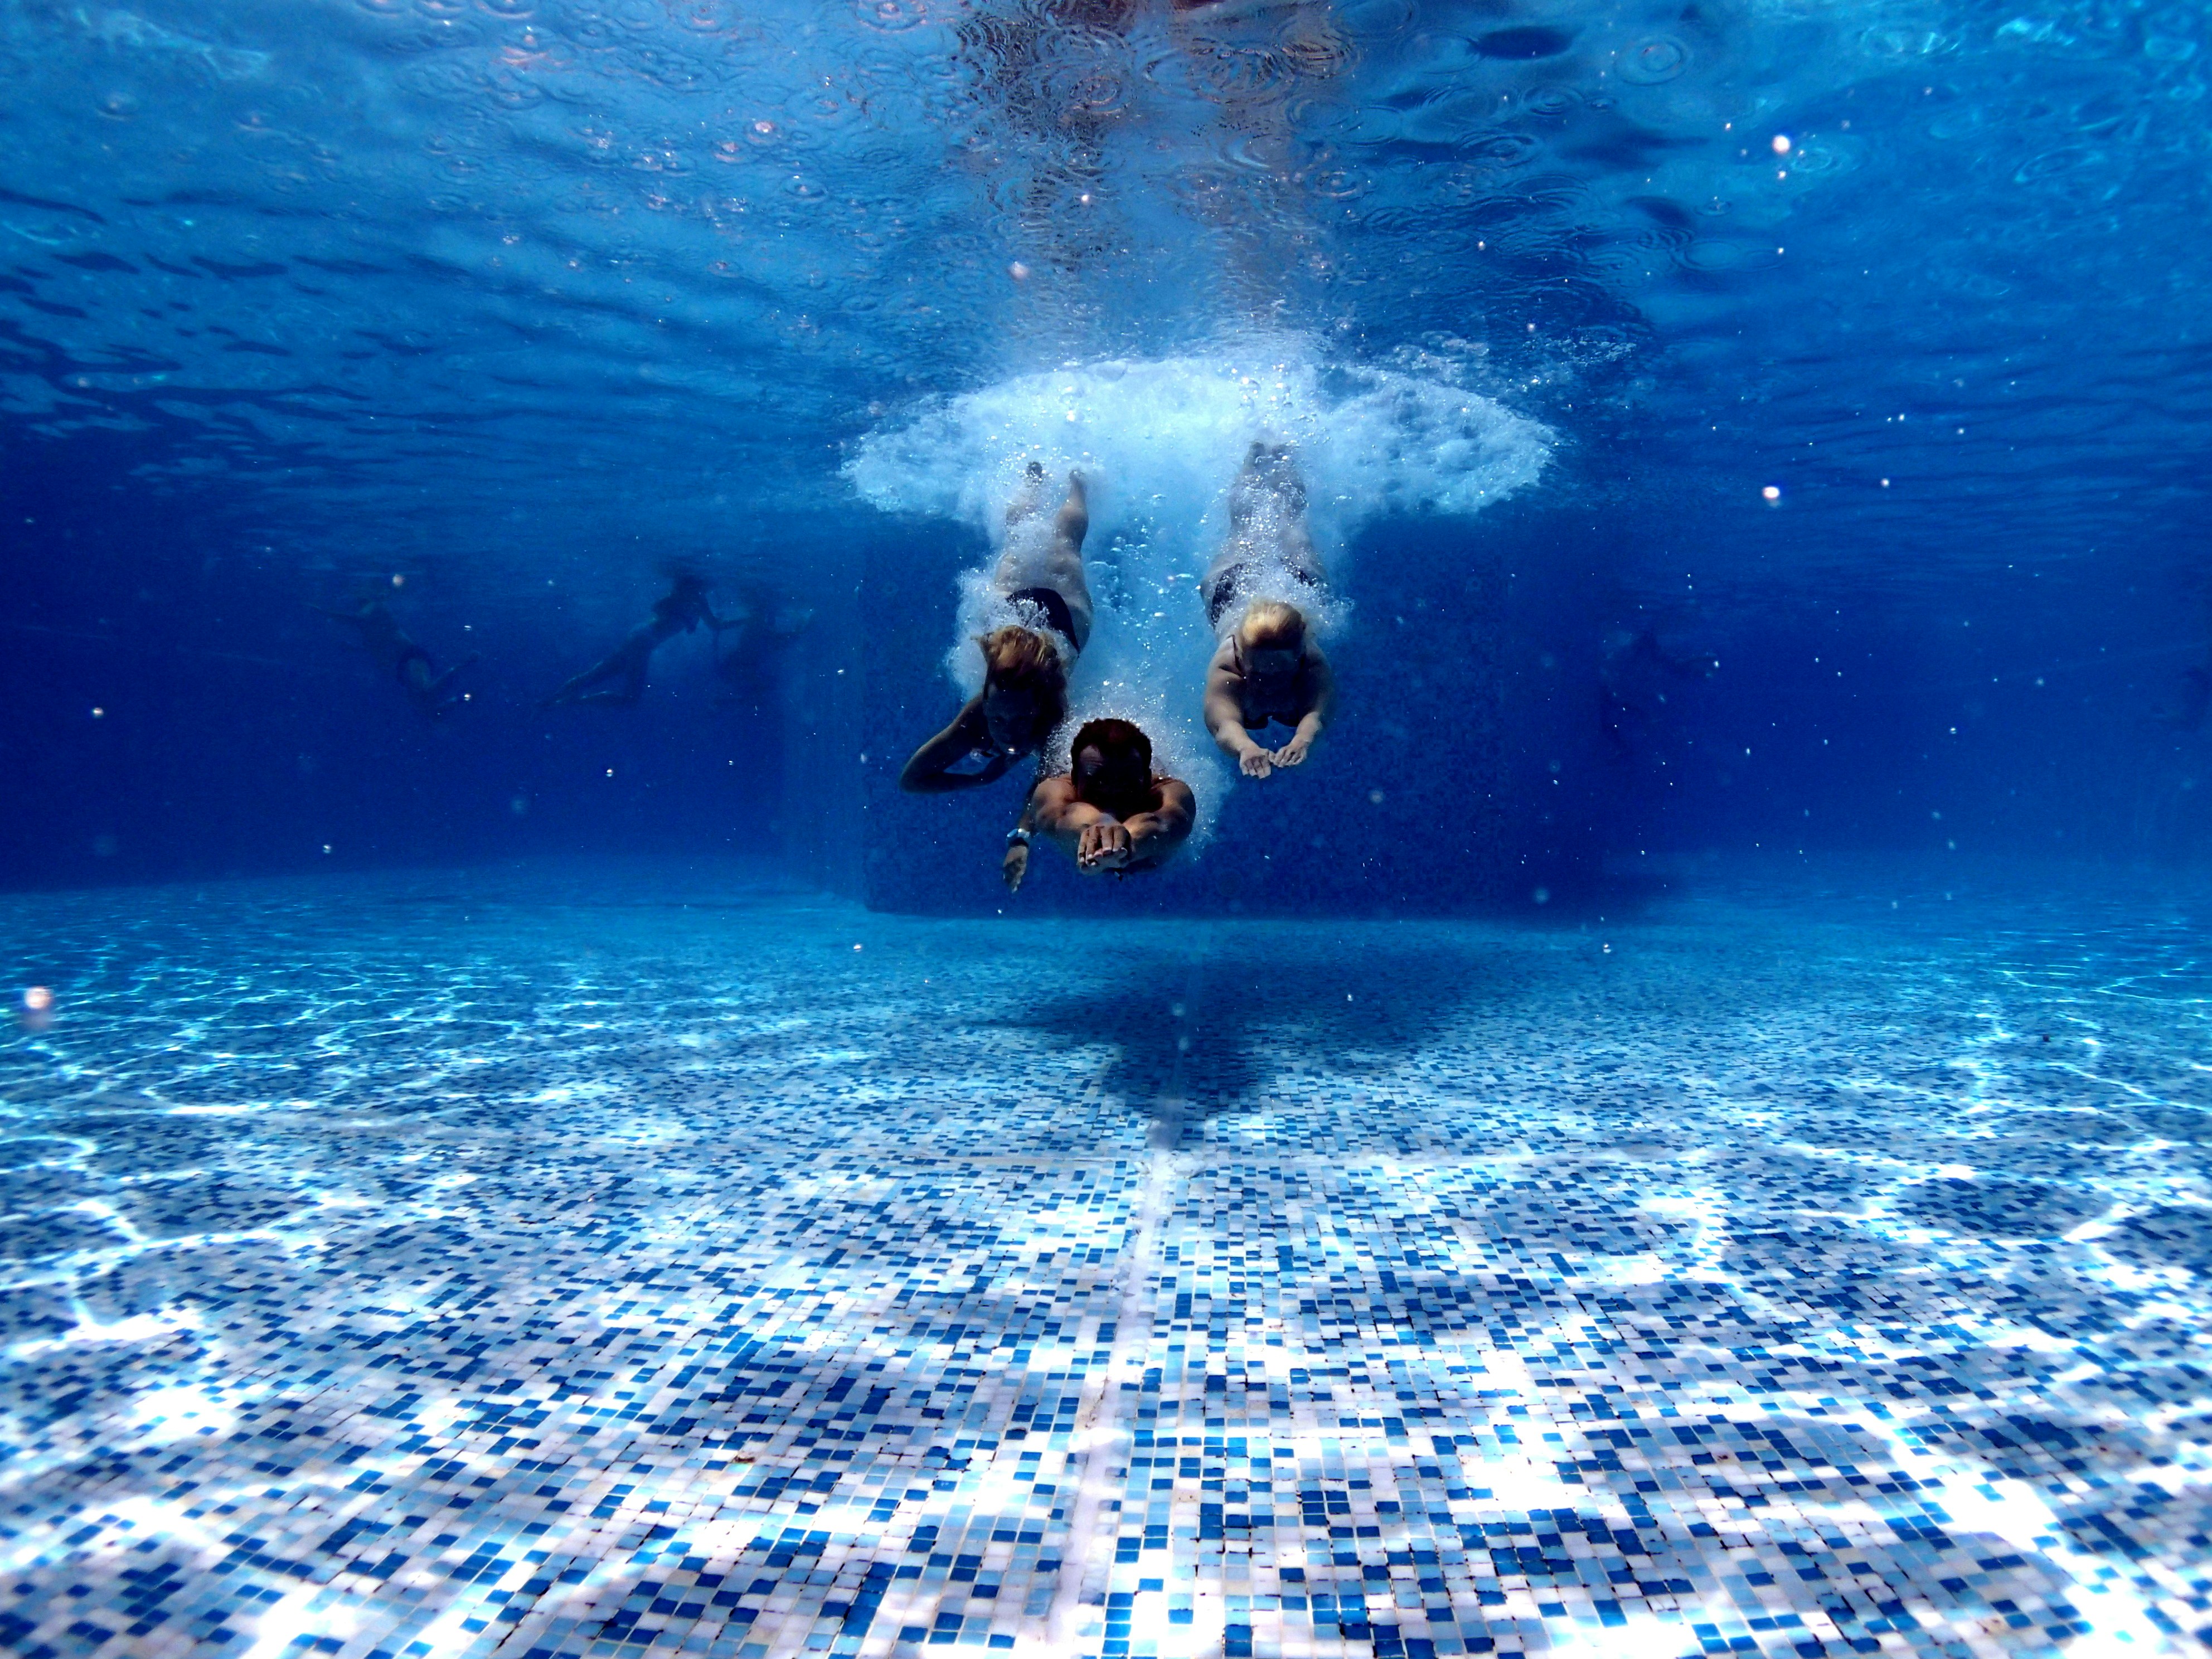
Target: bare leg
{"x":433,"y":695}
{"x":1267,"y":521}
{"x":634,"y":665}
{"x":605,"y":669}
{"x":1055,"y":561}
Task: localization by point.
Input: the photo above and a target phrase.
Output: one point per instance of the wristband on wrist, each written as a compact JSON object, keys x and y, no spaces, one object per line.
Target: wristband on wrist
{"x":1018,"y":838}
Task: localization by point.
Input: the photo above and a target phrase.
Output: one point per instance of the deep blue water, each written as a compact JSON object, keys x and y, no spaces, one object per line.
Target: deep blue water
{"x":1606,"y":1159}
{"x":518,"y":301}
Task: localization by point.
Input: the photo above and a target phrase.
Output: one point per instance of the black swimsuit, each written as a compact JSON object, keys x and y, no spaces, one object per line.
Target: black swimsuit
{"x":1057,"y":616}
{"x":1222,"y":588}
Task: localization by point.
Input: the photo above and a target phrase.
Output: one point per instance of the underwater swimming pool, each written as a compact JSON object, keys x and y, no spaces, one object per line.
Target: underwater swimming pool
{"x":590,"y":1259}
{"x":601,"y":595}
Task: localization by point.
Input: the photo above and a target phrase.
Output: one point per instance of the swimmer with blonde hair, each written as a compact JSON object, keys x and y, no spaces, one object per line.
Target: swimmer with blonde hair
{"x":1267,"y":670}
{"x":1025,"y":665}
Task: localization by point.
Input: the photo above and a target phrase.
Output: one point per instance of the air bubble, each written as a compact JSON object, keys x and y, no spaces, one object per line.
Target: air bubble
{"x":1649,"y":63}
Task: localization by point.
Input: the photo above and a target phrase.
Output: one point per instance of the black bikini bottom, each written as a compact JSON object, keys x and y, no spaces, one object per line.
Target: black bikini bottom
{"x":1048,"y":600}
{"x":1222,"y":588}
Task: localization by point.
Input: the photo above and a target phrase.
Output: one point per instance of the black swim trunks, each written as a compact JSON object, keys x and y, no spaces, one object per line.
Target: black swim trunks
{"x":1048,"y":600}
{"x":1222,"y":589}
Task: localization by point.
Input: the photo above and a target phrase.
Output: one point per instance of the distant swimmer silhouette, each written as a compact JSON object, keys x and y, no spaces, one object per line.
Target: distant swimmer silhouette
{"x":1632,"y":673}
{"x":1039,"y":582}
{"x":400,"y":657}
{"x":1108,"y":810}
{"x":2196,"y":702}
{"x":679,"y":610}
{"x":1267,"y":670}
{"x":751,"y":643}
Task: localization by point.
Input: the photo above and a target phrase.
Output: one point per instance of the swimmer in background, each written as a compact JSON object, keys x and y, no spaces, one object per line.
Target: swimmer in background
{"x":763,"y":627}
{"x":679,"y":610}
{"x":1630,"y":683}
{"x":1025,"y":666}
{"x":1267,"y":668}
{"x":1108,"y":810}
{"x":400,"y":657}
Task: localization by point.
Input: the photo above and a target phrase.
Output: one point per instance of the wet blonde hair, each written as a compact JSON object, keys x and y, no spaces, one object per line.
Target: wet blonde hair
{"x":1022,"y":659}
{"x":1271,"y":625}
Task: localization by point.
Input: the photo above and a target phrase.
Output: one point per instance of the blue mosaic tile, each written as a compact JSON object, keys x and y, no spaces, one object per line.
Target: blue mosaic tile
{"x":398,"y":1270}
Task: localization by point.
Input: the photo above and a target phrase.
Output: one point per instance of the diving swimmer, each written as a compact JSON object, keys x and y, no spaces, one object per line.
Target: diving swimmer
{"x":1108,"y":810}
{"x":1267,"y":669}
{"x":399,"y":656}
{"x":1026,"y":664}
{"x":679,"y":610}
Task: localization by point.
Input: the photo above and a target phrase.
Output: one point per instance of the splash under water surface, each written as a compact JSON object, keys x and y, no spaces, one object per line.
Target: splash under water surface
{"x":1610,"y":1157}
{"x":1157,"y":444}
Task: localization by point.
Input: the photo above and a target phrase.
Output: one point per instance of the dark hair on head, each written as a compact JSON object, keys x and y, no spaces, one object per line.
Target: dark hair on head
{"x":1113,"y":740}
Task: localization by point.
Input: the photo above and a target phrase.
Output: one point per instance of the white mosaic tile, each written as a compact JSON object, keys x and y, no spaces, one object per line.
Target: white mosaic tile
{"x":398,"y":1270}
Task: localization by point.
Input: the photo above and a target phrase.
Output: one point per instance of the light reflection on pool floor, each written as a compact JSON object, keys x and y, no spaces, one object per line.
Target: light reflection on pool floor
{"x":419,"y":1265}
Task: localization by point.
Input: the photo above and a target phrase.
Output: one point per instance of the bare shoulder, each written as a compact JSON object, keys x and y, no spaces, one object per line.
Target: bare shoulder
{"x":1176,"y":797}
{"x":1052,"y":793}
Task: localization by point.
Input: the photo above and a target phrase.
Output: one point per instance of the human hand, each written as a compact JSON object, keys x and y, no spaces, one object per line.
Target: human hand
{"x":1255,"y":763}
{"x":1293,"y":753}
{"x":1103,"y":847}
{"x":1016,"y":865}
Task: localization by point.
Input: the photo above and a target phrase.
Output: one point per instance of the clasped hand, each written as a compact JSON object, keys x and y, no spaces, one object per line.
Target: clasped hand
{"x":1258,"y":763}
{"x":1104,"y":846}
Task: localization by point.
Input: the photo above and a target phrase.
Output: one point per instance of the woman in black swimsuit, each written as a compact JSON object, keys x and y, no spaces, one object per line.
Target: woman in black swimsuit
{"x":1269,"y":669}
{"x":1026,"y":664}
{"x":679,"y":610}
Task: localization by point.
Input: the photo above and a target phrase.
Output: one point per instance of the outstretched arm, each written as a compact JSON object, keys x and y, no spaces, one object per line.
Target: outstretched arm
{"x":1323,"y":683}
{"x":1098,"y":842}
{"x":1224,"y":715}
{"x":1091,"y":837}
{"x":925,"y":773}
{"x":1154,"y":837}
{"x":1016,"y":864}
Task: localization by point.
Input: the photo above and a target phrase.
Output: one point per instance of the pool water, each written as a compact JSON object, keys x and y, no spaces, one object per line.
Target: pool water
{"x":587,"y":1258}
{"x":1680,"y":1130}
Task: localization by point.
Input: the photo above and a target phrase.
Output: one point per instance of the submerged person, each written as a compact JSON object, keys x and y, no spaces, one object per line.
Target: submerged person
{"x":1108,"y":810}
{"x":750,"y":643}
{"x":1269,"y":669}
{"x":399,"y":656}
{"x":1631,"y":675}
{"x":679,"y":610}
{"x":1026,"y":663}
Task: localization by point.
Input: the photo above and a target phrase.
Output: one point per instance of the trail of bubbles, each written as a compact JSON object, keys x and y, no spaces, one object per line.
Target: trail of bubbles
{"x":1158,"y":443}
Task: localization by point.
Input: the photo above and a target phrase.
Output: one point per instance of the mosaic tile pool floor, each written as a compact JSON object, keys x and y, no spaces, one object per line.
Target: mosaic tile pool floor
{"x":413,"y":1267}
